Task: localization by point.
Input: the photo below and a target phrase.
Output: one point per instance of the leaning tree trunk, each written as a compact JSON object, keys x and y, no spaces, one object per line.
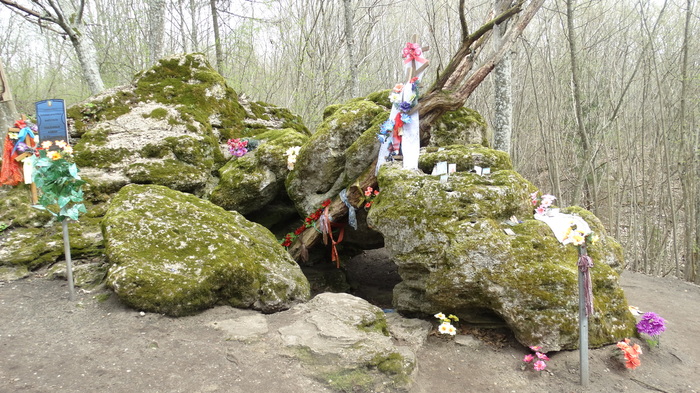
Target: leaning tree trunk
{"x":450,"y":92}
{"x":87,"y":56}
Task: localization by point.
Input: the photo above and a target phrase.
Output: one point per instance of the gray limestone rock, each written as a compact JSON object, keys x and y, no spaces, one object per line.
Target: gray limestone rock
{"x":176,"y":254}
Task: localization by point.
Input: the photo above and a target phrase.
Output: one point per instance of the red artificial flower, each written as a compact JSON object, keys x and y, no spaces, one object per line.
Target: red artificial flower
{"x":287,"y":243}
{"x":376,"y":192}
{"x":368,"y":204}
{"x":326,"y":203}
{"x":300,"y":230}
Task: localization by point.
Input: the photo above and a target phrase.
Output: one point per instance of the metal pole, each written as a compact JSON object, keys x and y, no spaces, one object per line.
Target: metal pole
{"x":582,"y":325}
{"x":69,"y":263}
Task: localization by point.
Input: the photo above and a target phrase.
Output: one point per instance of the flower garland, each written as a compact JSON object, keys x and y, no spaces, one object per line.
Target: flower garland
{"x":392,"y":129}
{"x":309,"y":222}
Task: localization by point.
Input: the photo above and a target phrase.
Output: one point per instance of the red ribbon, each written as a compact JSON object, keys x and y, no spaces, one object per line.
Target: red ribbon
{"x":396,"y":134}
{"x":327,"y":230}
{"x":412,"y":52}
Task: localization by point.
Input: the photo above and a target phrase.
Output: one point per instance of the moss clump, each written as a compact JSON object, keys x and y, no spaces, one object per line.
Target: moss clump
{"x":375,"y":325}
{"x":170,"y":173}
{"x":158,"y":113}
{"x":259,"y":110}
{"x":466,"y":157}
{"x":350,"y":381}
{"x":154,"y":151}
{"x":462,"y":126}
{"x":85,"y":156}
{"x":380,"y":98}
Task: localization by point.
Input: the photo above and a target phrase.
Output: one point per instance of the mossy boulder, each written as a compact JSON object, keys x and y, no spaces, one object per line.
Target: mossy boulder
{"x":28,"y":249}
{"x":343,"y":147}
{"x":454,"y":256}
{"x":16,"y":209}
{"x":176,"y":254}
{"x":253,"y":181}
{"x":168,"y":127}
{"x":463,"y":126}
{"x":346,"y":342}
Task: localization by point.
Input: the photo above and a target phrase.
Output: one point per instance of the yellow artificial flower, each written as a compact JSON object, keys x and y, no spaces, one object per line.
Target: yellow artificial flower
{"x":54,"y":155}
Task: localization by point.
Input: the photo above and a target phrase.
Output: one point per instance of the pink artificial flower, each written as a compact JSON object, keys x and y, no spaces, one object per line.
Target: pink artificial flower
{"x":539,"y":365}
{"x":535,"y":348}
{"x":542,"y":356}
{"x":528,"y":358}
{"x":368,"y":191}
{"x":541,"y":210}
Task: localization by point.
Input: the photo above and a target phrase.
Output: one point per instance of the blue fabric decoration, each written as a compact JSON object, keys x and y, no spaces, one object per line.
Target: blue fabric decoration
{"x":22,"y":137}
{"x":352,"y":218}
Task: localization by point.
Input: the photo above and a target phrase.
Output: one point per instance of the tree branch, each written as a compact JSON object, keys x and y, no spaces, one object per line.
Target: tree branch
{"x":463,"y":21}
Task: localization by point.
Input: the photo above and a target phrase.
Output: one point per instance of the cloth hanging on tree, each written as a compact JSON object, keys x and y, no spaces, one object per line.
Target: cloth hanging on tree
{"x":11,"y":170}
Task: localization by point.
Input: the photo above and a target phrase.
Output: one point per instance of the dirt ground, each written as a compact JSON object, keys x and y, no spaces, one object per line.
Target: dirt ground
{"x":50,"y":344}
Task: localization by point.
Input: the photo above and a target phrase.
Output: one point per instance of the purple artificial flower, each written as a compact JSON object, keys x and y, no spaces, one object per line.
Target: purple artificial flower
{"x":651,"y":324}
{"x":405,"y":106}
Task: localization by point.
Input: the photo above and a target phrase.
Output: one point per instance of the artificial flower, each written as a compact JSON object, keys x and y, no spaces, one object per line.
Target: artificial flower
{"x":46,"y":144}
{"x":539,"y":365}
{"x":61,"y":144}
{"x":54,"y":155}
{"x":528,"y":358}
{"x":542,"y":356}
{"x":447,"y":328}
{"x":68,"y":149}
{"x":395,"y":98}
{"x":405,"y":118}
{"x":651,"y":324}
{"x":398,"y":87}
{"x":405,"y":106}
{"x":440,"y":316}
{"x":368,"y":191}
{"x":368,"y":205}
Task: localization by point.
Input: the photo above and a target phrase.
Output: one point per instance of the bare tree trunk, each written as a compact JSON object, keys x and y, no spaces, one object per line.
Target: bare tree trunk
{"x":193,"y":31}
{"x":576,"y":93}
{"x":156,"y":15}
{"x":689,"y":170}
{"x":217,"y":37}
{"x":352,"y":56}
{"x":50,"y":15}
{"x":503,"y":96}
{"x":8,"y":111}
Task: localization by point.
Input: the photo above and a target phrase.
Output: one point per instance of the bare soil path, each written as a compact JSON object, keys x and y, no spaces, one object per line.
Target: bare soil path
{"x":49,"y":344}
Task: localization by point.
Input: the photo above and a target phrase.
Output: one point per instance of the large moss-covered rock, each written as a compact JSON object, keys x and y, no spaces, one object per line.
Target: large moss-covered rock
{"x":176,"y":254}
{"x":168,"y":127}
{"x":343,"y":146}
{"x":454,"y":256}
{"x":251,"y":182}
{"x":27,"y":249}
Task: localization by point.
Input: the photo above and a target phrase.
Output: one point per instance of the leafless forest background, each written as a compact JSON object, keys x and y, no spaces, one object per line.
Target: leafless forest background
{"x":630,"y":154}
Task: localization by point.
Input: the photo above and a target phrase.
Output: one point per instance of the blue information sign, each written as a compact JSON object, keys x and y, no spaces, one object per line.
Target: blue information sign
{"x":51,"y":120}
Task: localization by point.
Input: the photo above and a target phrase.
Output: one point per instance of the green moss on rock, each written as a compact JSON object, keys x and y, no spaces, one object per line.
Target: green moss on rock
{"x":193,"y":254}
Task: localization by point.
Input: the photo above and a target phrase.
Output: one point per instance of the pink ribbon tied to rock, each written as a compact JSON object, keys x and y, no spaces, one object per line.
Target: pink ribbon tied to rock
{"x":412,"y":52}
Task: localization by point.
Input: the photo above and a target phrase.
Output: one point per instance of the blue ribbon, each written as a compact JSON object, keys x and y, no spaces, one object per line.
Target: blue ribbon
{"x":352,"y":218}
{"x":22,"y":137}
